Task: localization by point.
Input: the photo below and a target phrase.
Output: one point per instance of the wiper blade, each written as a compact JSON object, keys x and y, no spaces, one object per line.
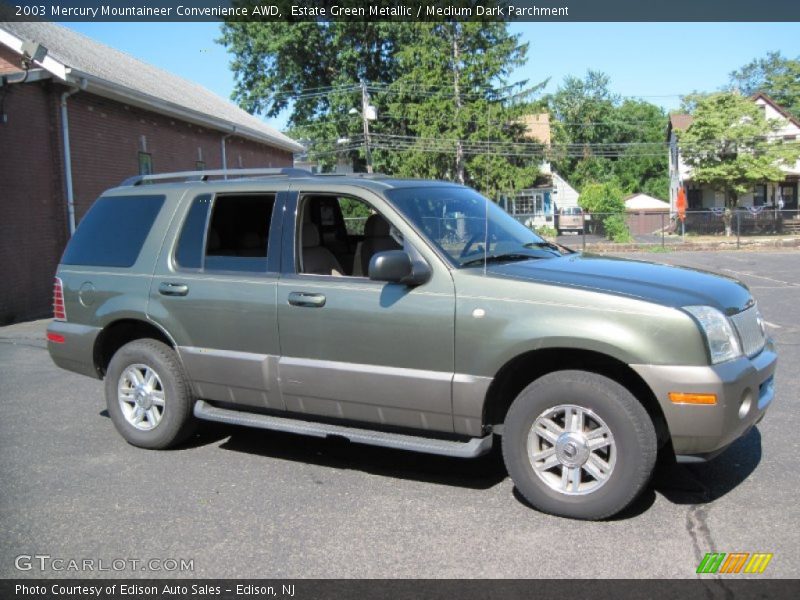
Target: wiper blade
{"x":495,"y":258}
{"x":550,"y":245}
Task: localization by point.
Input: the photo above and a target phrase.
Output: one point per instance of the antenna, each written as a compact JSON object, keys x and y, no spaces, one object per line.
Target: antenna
{"x":485,"y":234}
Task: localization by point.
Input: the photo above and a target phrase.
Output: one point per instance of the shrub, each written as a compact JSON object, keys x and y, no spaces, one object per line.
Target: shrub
{"x":617,"y":229}
{"x":546,"y":231}
{"x":601,"y":198}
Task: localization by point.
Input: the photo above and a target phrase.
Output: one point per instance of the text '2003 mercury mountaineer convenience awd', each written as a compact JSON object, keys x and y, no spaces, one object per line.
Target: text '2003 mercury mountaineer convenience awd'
{"x":416,"y":315}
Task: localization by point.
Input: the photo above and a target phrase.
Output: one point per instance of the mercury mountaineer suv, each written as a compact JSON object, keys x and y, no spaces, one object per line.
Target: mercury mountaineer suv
{"x":415,"y":315}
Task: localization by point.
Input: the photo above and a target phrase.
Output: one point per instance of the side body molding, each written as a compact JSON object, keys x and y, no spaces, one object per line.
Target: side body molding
{"x":414,"y":398}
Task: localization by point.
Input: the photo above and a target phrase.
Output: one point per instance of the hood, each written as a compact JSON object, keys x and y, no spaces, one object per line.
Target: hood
{"x":662,"y":284}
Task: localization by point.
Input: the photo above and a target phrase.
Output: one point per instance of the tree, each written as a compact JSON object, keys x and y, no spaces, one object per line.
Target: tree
{"x":731,"y":146}
{"x":775,"y":75}
{"x":604,"y":201}
{"x":602,"y":198}
{"x":642,"y":167}
{"x":312,"y":68}
{"x":452,"y":85}
{"x":430,"y":81}
{"x":618,"y":140}
{"x":582,"y":111}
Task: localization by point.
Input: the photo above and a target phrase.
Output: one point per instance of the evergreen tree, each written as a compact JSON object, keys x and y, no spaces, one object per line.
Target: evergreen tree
{"x":431,"y":82}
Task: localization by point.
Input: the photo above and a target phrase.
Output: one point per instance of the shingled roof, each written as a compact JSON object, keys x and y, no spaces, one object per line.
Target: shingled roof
{"x":108,"y":72}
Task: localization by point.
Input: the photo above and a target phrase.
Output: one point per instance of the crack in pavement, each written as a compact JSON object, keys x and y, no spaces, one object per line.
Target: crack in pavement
{"x":700,"y":533}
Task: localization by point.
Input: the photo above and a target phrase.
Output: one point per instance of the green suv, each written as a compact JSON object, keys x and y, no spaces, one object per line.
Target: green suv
{"x":410,"y":314}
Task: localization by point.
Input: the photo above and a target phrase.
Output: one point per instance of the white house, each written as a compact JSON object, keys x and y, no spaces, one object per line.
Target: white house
{"x":768,"y":194}
{"x":539,"y":202}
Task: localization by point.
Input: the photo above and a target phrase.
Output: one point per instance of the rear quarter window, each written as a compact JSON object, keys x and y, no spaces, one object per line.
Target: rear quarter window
{"x":113,"y":231}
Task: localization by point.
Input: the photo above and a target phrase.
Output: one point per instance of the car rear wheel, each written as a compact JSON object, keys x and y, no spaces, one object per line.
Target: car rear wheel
{"x":148,"y":397}
{"x":578,"y":444}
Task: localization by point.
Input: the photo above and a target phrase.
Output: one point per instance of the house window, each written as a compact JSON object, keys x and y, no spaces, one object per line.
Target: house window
{"x":759,"y":195}
{"x":200,"y":165}
{"x":145,"y":163}
{"x":523,"y":205}
{"x":694,"y":200}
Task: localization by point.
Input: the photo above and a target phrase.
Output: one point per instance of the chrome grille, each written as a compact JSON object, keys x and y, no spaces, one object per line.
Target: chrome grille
{"x":749,"y":326}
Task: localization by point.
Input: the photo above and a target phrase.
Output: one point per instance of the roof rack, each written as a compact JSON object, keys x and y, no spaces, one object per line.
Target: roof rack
{"x":355,"y":175}
{"x":204,"y":175}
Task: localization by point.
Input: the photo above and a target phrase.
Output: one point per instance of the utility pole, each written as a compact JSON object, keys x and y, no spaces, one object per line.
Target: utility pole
{"x":365,"y":115}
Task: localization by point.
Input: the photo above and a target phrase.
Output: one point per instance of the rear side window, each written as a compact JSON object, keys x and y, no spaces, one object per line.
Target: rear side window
{"x":238,"y":233}
{"x":113,"y":231}
{"x":234,"y":238}
{"x":189,"y":253}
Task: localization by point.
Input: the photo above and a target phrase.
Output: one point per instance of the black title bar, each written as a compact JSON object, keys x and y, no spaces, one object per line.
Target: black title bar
{"x":396,"y":589}
{"x":400,"y":10}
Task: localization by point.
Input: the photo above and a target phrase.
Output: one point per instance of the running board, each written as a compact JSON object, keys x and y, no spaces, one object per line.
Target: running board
{"x":474,"y":447}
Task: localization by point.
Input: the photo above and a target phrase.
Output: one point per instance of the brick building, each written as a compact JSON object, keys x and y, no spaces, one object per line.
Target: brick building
{"x":80,"y":120}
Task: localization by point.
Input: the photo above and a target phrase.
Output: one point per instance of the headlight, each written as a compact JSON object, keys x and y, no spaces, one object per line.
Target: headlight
{"x":722,"y":340}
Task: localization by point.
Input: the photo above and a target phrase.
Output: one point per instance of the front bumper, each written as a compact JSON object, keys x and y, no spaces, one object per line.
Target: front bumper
{"x":744,"y":388}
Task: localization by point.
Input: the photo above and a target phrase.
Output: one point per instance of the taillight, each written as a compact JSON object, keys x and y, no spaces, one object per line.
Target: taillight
{"x":59,"y":312}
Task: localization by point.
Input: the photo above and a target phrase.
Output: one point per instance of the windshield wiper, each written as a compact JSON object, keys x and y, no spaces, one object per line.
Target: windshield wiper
{"x":550,"y":245}
{"x":495,"y":258}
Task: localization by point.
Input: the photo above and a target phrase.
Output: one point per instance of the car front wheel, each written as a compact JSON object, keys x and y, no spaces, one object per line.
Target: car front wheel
{"x":578,"y":444}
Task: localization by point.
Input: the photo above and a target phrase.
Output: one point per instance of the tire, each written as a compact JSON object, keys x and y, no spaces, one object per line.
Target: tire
{"x":159,"y":414}
{"x":617,"y":443}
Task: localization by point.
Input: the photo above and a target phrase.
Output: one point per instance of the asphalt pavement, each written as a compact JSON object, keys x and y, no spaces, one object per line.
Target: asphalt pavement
{"x":246,"y":503}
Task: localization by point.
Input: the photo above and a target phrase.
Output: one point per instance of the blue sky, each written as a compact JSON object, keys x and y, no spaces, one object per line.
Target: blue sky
{"x":656,"y":61}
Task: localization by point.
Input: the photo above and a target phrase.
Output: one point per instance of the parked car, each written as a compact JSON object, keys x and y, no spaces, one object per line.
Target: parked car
{"x":570,"y":218}
{"x":440,"y":326}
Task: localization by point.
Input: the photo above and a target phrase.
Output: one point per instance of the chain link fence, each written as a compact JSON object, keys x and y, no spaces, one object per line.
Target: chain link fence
{"x":658,"y":230}
{"x":742,"y":226}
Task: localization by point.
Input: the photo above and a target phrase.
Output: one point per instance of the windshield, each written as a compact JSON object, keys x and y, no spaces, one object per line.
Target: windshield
{"x":455,"y":220}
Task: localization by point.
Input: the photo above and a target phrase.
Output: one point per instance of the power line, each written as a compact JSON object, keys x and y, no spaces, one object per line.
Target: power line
{"x":487,"y":93}
{"x":400,"y":143}
{"x":385,"y":116}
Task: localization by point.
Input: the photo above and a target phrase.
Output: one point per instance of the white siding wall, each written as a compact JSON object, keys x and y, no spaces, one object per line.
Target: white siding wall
{"x":567,"y":195}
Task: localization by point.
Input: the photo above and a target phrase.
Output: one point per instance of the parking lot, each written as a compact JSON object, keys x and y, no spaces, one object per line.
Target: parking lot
{"x":248,"y":503}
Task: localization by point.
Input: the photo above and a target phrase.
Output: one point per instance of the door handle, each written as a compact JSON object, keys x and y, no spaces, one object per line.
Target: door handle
{"x":173,"y":289}
{"x":306,"y":299}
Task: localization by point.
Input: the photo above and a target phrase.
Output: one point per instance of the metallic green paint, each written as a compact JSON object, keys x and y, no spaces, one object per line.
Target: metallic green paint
{"x":441,"y":342}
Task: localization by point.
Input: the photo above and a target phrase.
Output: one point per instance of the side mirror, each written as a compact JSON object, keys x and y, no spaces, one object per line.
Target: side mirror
{"x":396,"y":266}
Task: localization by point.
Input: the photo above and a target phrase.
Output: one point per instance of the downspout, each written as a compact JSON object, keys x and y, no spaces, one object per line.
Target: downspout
{"x":68,"y":155}
{"x":224,"y":155}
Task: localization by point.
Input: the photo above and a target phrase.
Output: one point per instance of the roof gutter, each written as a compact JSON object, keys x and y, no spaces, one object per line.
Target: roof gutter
{"x":111,"y":90}
{"x":68,"y":154}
